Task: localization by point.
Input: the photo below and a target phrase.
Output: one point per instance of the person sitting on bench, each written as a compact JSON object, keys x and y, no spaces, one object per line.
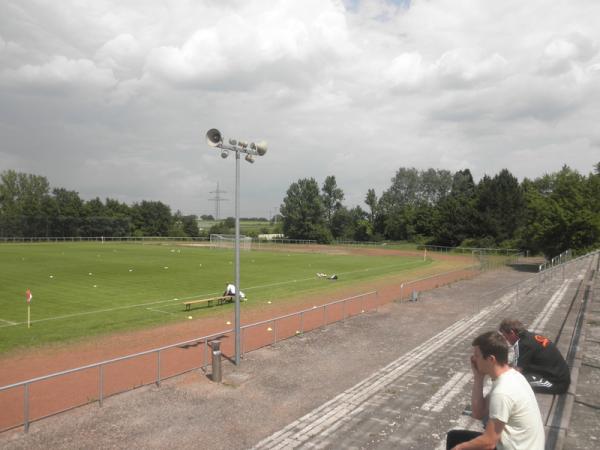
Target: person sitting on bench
{"x":537,"y":358}
{"x":230,"y":291}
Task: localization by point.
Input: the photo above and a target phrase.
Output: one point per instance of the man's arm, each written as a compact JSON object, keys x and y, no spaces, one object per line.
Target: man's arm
{"x":479,"y":406}
{"x":487,"y":441}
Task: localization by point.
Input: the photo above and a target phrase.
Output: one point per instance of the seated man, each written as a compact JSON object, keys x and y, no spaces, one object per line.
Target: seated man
{"x":537,"y":358}
{"x":230,"y":291}
{"x":514,"y":417}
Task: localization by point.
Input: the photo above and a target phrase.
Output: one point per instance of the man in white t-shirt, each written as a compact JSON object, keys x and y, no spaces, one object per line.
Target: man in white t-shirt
{"x":230,"y":291}
{"x":514,"y":421}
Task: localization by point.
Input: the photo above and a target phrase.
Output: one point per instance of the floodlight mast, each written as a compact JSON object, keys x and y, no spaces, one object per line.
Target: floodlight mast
{"x":214,"y":138}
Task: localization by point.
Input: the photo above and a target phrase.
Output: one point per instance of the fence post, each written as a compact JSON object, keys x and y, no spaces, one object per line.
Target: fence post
{"x":100,"y":385}
{"x":274,"y":332}
{"x":302,"y":322}
{"x":26,"y":408}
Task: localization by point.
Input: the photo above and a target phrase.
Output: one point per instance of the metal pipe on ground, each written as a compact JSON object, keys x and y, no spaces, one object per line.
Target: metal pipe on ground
{"x":216,"y":374}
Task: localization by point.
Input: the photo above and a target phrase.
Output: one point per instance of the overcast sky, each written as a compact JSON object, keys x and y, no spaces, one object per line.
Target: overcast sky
{"x":112,"y":98}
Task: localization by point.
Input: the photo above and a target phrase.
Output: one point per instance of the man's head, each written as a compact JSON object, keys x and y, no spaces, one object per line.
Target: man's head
{"x":490,"y":352}
{"x":511,"y":329}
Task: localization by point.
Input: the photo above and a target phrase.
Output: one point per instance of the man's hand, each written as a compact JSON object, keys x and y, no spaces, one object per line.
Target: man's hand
{"x":474,"y":369}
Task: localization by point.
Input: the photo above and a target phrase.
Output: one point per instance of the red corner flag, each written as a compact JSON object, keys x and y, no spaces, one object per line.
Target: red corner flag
{"x":28,"y":296}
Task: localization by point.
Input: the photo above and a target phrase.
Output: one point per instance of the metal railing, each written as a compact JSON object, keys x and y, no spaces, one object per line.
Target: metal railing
{"x":155,"y":365}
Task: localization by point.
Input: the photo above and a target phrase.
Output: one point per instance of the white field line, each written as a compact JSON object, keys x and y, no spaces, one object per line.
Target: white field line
{"x":325,"y":419}
{"x":9,"y":322}
{"x":160,"y":311}
{"x":158,"y":302}
{"x":447,"y":392}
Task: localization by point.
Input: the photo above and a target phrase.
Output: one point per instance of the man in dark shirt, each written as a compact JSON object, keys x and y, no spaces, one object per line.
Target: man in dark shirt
{"x":537,"y":358}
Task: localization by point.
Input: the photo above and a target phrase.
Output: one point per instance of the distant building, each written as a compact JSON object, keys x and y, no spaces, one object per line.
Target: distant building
{"x":270,"y":237}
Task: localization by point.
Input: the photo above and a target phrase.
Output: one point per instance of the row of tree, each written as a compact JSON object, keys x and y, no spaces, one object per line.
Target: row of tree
{"x":547,"y":215}
{"x":30,"y":208}
{"x":550,"y":214}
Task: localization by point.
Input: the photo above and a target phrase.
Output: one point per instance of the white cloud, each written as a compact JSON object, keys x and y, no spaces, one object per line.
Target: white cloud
{"x":356,"y":92}
{"x":61,"y":73}
{"x":465,"y":68}
{"x":256,"y":45}
{"x":565,"y":53}
{"x":123,"y":55}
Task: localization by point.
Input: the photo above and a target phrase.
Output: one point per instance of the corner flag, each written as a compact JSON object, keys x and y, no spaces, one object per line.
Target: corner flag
{"x":28,"y":297}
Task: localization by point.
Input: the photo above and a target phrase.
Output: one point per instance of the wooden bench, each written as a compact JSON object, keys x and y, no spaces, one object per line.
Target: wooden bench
{"x":209,"y":301}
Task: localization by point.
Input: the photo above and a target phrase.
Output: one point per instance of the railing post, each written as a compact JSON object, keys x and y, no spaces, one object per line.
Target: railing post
{"x":204,"y":363}
{"x":242,"y":340}
{"x":100,"y":384}
{"x":274,"y":332}
{"x":324,"y":315}
{"x":302,"y":322}
{"x":158,"y":368}
{"x":26,"y":408}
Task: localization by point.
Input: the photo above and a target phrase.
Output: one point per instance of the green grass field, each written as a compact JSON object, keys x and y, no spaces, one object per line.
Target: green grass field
{"x":85,"y":289}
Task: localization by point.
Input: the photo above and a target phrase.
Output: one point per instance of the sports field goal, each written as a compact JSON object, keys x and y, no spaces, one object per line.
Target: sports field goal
{"x":228,"y":241}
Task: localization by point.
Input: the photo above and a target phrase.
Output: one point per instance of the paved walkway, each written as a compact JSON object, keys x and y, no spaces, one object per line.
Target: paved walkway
{"x":398,"y":379}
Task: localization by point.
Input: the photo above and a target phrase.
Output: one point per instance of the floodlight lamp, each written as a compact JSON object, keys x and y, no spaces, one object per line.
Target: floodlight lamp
{"x":232,"y":142}
{"x":224,"y":154}
{"x":214,"y":137}
{"x":250,"y":159}
{"x":242,"y":144}
{"x":261,"y":147}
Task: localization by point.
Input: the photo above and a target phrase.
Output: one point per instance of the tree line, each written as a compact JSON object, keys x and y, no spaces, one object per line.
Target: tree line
{"x":30,"y":208}
{"x":548,"y":215}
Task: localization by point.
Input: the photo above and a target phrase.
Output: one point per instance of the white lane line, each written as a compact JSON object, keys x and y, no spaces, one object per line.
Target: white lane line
{"x":542,"y":318}
{"x":447,"y":392}
{"x":327,"y":418}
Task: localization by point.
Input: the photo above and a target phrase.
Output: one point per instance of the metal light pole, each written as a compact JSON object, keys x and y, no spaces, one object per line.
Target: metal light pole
{"x":214,"y":138}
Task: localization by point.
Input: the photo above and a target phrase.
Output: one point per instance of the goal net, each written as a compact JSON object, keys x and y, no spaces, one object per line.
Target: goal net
{"x":228,"y":241}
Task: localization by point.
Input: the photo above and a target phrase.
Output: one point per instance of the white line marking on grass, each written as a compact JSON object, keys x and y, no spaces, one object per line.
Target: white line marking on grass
{"x":158,"y":302}
{"x":9,"y":322}
{"x":160,"y":311}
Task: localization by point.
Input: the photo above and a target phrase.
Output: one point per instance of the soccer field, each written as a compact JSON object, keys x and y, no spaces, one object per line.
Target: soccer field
{"x":84,"y":289}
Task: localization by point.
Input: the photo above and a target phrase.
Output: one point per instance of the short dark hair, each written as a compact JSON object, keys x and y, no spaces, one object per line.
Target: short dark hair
{"x":492,"y":343}
{"x":512,"y":325}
